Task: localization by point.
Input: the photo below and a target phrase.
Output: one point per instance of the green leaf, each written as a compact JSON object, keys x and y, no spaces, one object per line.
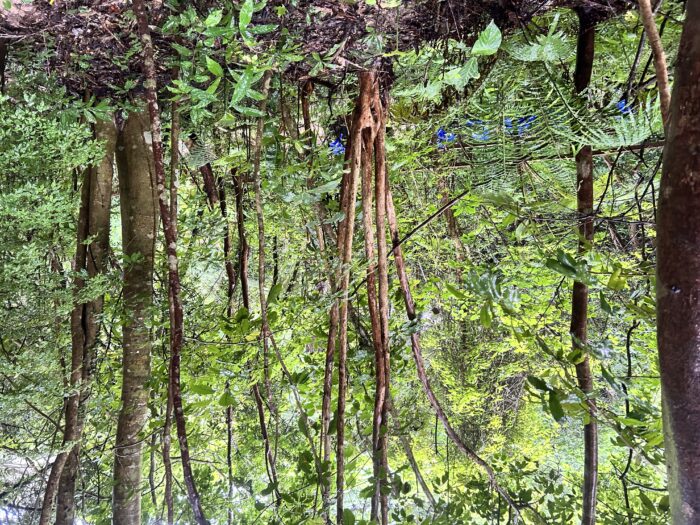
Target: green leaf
{"x":301,"y":423}
{"x":558,"y":267}
{"x":181,"y":49}
{"x":488,"y":42}
{"x":328,"y":187}
{"x":555,"y":407}
{"x":242,"y":86}
{"x":458,"y":294}
{"x":227,"y":121}
{"x":348,"y":517}
{"x":538,"y":383}
{"x":227,"y":399}
{"x":268,"y":489}
{"x":617,"y":282}
{"x":367,"y":492}
{"x":458,"y":77}
{"x":274,"y":293}
{"x":605,"y":305}
{"x":214,"y":67}
{"x":485,"y":316}
{"x":214,"y":18}
{"x":245,"y":15}
{"x":646,"y":501}
{"x":249,"y":112}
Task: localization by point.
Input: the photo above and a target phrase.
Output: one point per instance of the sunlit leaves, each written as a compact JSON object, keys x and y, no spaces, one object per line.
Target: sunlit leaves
{"x":488,"y":42}
{"x":214,"y":67}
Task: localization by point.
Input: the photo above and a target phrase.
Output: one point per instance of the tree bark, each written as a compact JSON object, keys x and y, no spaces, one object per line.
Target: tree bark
{"x":93,"y":223}
{"x":579,"y":299}
{"x":210,"y":187}
{"x":647,"y":15}
{"x":98,"y":228}
{"x":380,"y":111}
{"x":259,"y":213}
{"x":139,"y":225}
{"x":167,"y":426}
{"x":375,"y":322}
{"x":678,"y":279}
{"x":170,"y":233}
{"x":361,"y":120}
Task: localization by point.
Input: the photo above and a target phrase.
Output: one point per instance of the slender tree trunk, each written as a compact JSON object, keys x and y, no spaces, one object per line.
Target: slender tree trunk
{"x":71,"y":432}
{"x":453,"y":229}
{"x":167,"y":426}
{"x":139,"y":225}
{"x":375,"y":321}
{"x":265,"y":332}
{"x":210,"y":187}
{"x":678,"y":279}
{"x":229,"y":460}
{"x":647,"y":15}
{"x":579,"y":300}
{"x":4,"y":51}
{"x":228,"y":249}
{"x":170,"y":233}
{"x":230,"y":287}
{"x":93,"y":223}
{"x":243,"y":250}
{"x":380,"y":111}
{"x":362,"y":119}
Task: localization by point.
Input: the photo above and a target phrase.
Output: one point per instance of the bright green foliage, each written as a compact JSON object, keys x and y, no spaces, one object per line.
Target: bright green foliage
{"x":493,"y":289}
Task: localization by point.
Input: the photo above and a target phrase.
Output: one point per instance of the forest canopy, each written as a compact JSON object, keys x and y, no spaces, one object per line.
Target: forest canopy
{"x":349,"y":262}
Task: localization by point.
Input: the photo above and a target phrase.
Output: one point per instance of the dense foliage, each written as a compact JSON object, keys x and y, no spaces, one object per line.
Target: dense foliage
{"x":481,"y":136}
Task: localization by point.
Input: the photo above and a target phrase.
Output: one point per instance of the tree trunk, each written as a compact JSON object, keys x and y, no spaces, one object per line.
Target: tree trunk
{"x":647,"y":15}
{"x":138,"y":216}
{"x":361,"y":119}
{"x":170,"y":234}
{"x":93,"y":223}
{"x":678,"y":279}
{"x":579,"y":299}
{"x":98,"y":228}
{"x":380,"y":111}
{"x":167,"y":426}
{"x":375,"y":321}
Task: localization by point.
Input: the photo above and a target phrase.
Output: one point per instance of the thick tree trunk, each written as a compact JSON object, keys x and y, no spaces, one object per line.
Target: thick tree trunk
{"x":98,"y":227}
{"x":579,"y":300}
{"x":93,"y":223}
{"x":678,"y":279}
{"x":170,"y":234}
{"x":139,"y":222}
